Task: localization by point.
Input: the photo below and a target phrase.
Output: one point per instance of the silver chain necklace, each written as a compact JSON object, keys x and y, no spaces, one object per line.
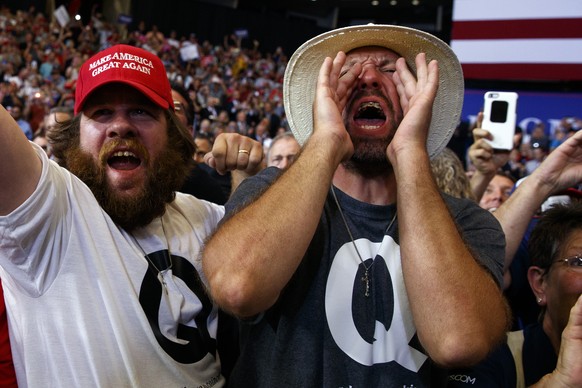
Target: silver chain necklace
{"x":366,"y":278}
{"x":159,"y":272}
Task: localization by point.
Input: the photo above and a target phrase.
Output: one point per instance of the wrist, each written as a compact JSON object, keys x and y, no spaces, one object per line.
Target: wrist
{"x":536,"y":187}
{"x":486,"y":173}
{"x":407,"y":154}
{"x":411,"y":164}
{"x":327,"y":148}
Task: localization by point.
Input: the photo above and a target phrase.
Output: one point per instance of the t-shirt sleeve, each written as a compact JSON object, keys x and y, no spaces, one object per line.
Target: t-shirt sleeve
{"x":250,"y":189}
{"x":35,"y":230}
{"x":482,"y":233}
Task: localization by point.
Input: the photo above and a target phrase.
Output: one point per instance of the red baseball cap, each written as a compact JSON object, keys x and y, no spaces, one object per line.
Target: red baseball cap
{"x":130,"y":65}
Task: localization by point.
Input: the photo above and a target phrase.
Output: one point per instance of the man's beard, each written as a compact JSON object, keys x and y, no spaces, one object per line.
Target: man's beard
{"x":369,"y":157}
{"x":164,"y":177}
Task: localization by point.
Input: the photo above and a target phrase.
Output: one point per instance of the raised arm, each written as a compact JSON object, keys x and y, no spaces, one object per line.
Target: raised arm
{"x":239,"y":154}
{"x":20,"y":167}
{"x":246,"y":267}
{"x":484,"y":158}
{"x":560,"y":170}
{"x":454,"y":301}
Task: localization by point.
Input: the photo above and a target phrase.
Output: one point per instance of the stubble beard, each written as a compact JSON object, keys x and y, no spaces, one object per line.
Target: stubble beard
{"x":166,"y":175}
{"x":369,"y":157}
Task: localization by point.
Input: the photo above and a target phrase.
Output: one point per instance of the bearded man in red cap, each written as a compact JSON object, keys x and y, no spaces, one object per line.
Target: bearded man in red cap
{"x":99,"y":261}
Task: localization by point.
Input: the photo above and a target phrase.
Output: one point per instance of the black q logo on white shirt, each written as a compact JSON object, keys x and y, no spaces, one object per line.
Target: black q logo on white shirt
{"x":196,"y":341}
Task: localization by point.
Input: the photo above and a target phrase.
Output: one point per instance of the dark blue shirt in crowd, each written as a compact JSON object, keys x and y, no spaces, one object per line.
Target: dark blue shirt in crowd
{"x":498,"y":369}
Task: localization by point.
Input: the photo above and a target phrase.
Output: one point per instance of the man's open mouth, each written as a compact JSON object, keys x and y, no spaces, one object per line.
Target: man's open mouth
{"x":370,"y":114}
{"x":123,"y":160}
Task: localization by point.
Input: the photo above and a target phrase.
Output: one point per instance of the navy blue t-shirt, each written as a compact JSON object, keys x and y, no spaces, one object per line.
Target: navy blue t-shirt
{"x":498,"y":369}
{"x":324,"y":331}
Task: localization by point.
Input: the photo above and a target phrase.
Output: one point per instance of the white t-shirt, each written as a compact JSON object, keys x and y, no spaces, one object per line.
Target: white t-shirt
{"x":85,"y":307}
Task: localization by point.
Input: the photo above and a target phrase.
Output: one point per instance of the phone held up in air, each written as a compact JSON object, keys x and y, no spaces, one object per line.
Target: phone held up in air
{"x":500,"y":117}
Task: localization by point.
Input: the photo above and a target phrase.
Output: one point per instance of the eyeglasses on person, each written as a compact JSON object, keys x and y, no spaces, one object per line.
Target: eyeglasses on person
{"x":574,"y":262}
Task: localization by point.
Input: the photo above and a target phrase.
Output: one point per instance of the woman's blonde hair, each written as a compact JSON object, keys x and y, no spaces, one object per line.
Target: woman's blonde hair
{"x":450,"y":175}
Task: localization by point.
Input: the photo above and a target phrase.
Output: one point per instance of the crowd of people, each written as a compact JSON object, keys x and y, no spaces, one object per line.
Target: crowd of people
{"x":232,"y":88}
{"x":355,"y":250}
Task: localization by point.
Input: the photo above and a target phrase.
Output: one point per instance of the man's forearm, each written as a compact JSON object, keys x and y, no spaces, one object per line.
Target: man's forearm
{"x":515,"y":214}
{"x":252,"y":256}
{"x":439,"y":269}
{"x":20,"y":167}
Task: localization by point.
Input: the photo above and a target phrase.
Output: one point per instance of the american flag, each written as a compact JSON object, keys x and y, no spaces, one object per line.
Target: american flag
{"x":518,"y":39}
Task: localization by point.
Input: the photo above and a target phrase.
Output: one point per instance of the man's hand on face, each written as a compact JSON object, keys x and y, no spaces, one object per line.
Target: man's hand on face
{"x":417,"y":95}
{"x":332,"y":93}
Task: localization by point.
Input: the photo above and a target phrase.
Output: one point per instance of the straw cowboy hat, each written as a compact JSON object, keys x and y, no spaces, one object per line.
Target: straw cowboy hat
{"x":303,"y":68}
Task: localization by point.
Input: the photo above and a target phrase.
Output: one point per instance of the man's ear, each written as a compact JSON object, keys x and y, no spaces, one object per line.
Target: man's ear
{"x":537,"y":279}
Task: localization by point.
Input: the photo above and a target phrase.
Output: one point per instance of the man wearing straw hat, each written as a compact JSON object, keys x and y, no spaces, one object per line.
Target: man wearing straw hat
{"x":350,"y":269}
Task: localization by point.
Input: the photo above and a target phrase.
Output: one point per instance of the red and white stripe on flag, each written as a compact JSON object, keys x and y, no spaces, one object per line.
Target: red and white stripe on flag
{"x":518,"y":39}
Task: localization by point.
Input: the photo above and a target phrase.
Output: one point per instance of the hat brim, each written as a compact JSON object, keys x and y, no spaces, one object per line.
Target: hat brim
{"x":303,"y":68}
{"x":145,"y":90}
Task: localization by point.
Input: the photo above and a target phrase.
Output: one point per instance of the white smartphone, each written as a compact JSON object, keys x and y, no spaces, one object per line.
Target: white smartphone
{"x":499,"y":118}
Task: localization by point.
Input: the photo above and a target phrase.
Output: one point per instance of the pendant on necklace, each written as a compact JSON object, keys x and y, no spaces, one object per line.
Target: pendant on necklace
{"x":366,"y":280}
{"x":163,"y":281}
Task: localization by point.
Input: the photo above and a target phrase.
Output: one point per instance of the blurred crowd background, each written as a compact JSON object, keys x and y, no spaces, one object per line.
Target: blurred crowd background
{"x":230,"y":86}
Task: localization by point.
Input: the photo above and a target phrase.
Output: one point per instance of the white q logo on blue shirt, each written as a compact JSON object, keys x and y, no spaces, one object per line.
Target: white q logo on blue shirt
{"x":389,"y":345}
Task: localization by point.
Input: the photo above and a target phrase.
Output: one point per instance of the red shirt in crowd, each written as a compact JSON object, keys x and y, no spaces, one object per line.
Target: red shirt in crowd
{"x":7,"y":375}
